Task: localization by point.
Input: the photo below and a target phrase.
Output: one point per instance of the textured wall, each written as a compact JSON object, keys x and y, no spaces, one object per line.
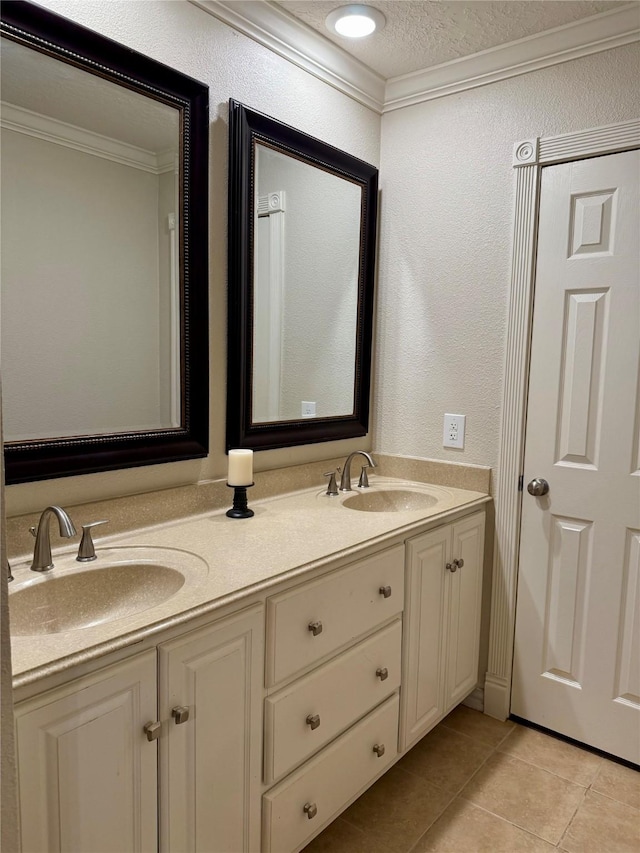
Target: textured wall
{"x":446,"y":221}
{"x":183,"y":36}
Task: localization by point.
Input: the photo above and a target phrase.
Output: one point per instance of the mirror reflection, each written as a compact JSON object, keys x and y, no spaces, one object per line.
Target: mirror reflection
{"x":306,"y":265}
{"x":302,"y":247}
{"x":90,"y":299}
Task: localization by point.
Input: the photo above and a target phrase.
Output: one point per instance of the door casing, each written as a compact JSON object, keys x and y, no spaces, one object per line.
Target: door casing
{"x":528,"y":159}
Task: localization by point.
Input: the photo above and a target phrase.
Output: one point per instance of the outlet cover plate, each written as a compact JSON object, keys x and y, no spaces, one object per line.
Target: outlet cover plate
{"x":453,"y":432}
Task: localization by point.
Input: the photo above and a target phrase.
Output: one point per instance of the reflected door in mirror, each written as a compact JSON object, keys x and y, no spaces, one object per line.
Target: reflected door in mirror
{"x":307,"y":253}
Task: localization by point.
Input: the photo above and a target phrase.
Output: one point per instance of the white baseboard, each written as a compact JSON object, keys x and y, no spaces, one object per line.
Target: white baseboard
{"x":475,"y":700}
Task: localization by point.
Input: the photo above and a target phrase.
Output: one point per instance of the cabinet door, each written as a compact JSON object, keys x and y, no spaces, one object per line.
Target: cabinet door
{"x":464,"y":605}
{"x":210,"y":762}
{"x":87,"y":774}
{"x":425,"y":607}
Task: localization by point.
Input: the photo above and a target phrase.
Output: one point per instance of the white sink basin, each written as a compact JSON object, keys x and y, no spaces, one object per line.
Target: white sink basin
{"x":386,"y":498}
{"x":121,"y":582}
{"x":397,"y":500}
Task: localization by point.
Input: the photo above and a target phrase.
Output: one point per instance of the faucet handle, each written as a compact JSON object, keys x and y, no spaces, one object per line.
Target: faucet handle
{"x":332,"y":488}
{"x":87,"y":551}
{"x":363,"y":482}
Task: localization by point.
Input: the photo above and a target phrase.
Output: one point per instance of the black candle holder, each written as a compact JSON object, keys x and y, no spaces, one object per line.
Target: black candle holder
{"x":240,"y":508}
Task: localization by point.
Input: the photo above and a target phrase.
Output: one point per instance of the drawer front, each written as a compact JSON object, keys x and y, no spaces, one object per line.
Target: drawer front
{"x":303,"y":803}
{"x":306,"y":715}
{"x":310,"y":622}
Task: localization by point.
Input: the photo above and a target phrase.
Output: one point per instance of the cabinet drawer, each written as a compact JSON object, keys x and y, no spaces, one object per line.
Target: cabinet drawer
{"x":299,"y":806}
{"x":306,"y":715}
{"x":308,"y":623}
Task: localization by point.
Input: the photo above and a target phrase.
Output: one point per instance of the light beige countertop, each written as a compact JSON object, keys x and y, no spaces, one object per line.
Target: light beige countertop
{"x":224,"y":561}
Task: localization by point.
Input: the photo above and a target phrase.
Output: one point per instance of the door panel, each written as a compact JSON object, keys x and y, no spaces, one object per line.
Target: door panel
{"x":577,"y":624}
{"x":88,"y":775}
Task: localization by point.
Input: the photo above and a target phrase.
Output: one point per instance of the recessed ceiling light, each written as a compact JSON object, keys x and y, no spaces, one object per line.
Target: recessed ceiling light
{"x":355,"y":20}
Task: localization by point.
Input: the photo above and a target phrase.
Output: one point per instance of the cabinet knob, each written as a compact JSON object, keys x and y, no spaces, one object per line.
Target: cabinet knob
{"x":452,"y":567}
{"x":315,"y":628}
{"x":313,"y":720}
{"x":152,"y":730}
{"x":459,"y":563}
{"x":379,"y":749}
{"x":180,"y":714}
{"x":310,"y":809}
{"x":385,"y":591}
{"x":382,"y":672}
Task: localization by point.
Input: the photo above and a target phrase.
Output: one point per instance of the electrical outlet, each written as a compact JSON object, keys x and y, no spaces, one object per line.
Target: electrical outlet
{"x":453,"y":434}
{"x":308,"y":410}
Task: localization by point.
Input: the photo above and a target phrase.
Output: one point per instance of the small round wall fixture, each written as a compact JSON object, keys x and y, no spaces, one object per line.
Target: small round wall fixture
{"x":355,"y":20}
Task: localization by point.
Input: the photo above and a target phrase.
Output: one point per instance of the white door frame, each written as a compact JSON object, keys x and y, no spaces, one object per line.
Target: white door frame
{"x":528,"y":159}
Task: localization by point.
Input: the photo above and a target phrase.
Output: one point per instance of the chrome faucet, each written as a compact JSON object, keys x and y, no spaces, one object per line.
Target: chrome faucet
{"x":42,"y":560}
{"x":345,"y":480}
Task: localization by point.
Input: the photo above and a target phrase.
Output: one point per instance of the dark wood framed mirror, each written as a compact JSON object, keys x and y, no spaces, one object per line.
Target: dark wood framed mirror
{"x":302,"y":237}
{"x":105,"y":253}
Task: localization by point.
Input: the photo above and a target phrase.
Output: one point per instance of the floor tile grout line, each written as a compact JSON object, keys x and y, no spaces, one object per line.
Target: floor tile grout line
{"x":446,"y":806}
{"x":455,"y":796}
{"x":614,"y":799}
{"x":573,"y":816}
{"x":532,"y":763}
{"x":477,"y":738}
{"x":428,"y":829}
{"x":517,"y":826}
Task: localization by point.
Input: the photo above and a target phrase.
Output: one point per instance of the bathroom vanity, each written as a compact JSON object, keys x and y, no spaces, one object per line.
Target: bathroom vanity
{"x":255,"y":704}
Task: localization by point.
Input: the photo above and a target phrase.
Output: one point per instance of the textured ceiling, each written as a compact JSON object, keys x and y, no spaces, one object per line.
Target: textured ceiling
{"x":422,"y":33}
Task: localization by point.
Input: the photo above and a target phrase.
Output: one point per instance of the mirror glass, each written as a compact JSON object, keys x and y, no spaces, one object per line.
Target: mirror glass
{"x":301,"y":275}
{"x":305,"y":281}
{"x":103,"y":295}
{"x":90,"y":279}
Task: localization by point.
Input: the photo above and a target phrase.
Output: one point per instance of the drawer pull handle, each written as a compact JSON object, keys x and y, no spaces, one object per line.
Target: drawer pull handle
{"x":382,"y":672}
{"x":310,"y":809}
{"x":180,"y":714}
{"x":385,"y":591}
{"x":315,"y":628}
{"x":313,"y":720}
{"x":379,"y":749}
{"x":152,"y":730}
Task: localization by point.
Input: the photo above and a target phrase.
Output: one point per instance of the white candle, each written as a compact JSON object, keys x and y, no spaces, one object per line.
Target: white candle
{"x":240,"y":468}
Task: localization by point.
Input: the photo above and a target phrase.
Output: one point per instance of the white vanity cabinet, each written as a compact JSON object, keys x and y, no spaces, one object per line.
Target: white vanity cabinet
{"x":90,"y":780}
{"x":253,"y":731}
{"x":441,"y":622}
{"x":87,"y":773}
{"x":210,"y":748}
{"x":339,"y":638}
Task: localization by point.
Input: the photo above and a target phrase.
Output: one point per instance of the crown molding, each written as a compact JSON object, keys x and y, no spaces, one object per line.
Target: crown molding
{"x":52,"y":130}
{"x":551,"y":47}
{"x":292,"y":39}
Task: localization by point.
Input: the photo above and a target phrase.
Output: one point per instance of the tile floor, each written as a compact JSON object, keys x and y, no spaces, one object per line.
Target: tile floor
{"x":475,"y":784}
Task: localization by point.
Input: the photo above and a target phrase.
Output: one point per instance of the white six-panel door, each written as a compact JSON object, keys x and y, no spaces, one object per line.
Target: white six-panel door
{"x":577,"y":646}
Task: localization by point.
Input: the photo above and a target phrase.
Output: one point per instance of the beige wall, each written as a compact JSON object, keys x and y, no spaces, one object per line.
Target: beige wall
{"x":445,"y":246}
{"x":183,"y":36}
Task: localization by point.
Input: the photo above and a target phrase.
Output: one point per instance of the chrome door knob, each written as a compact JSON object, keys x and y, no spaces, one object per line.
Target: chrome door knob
{"x":538,"y":487}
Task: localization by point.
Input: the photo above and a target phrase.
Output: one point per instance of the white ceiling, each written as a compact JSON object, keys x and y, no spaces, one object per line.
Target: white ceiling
{"x":422,"y":33}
